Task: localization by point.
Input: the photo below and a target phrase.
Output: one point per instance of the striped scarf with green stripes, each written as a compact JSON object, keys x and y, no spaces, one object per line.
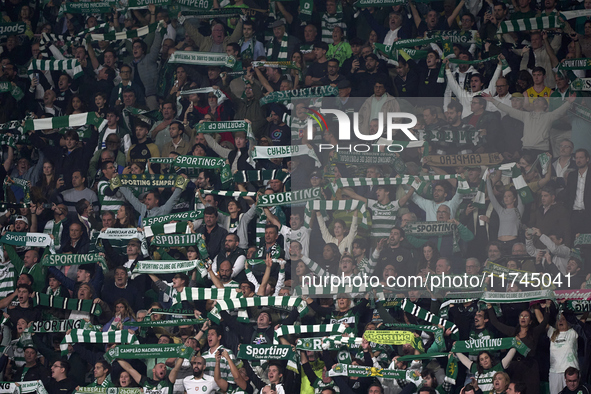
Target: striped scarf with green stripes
{"x":242,"y":303}
{"x":85,"y":336}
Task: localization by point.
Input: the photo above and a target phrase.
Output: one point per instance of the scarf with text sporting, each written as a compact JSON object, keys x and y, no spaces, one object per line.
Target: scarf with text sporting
{"x":227,"y":193}
{"x":176,"y":240}
{"x":85,"y":336}
{"x":208,"y":163}
{"x":169,"y":228}
{"x":430,"y":229}
{"x":367,"y":372}
{"x":71,"y":304}
{"x":34,"y":240}
{"x":165,"y":267}
{"x":265,"y":352}
{"x":45,"y":326}
{"x":272,"y":152}
{"x":286,"y":95}
{"x":23,"y":387}
{"x":421,"y":313}
{"x":286,"y":198}
{"x":88,"y":118}
{"x":528,"y":24}
{"x":310,"y":328}
{"x":16,"y":28}
{"x":165,"y":323}
{"x":261,"y":175}
{"x":184,"y":216}
{"x":60,"y":260}
{"x":335,"y":205}
{"x":109,"y":390}
{"x":124,"y":35}
{"x":492,"y":344}
{"x":575,"y":64}
{"x":140,"y":352}
{"x":384,"y":337}
{"x":20,"y":183}
{"x":15,"y":91}
{"x":202,"y":59}
{"x":282,"y":55}
{"x":149,"y":180}
{"x":56,"y":65}
{"x":242,"y":303}
{"x":201,"y":294}
{"x":467,"y":160}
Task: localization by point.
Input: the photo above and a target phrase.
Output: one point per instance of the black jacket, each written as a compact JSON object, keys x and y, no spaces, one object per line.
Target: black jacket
{"x":571,"y":190}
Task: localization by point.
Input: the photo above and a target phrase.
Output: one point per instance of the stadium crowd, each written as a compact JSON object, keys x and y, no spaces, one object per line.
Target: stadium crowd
{"x":174,"y":190}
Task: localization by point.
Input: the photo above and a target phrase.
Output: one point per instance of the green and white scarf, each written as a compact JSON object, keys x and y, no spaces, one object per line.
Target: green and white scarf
{"x":242,"y":303}
{"x":575,"y":64}
{"x":424,"y":314}
{"x":143,"y":4}
{"x":108,"y":390}
{"x":9,"y":29}
{"x":384,"y":337}
{"x":210,"y":163}
{"x":311,"y":328}
{"x":164,"y":267}
{"x":103,"y":7}
{"x":184,"y":216}
{"x":72,"y":304}
{"x":430,"y":229}
{"x":265,"y":352}
{"x":276,"y":64}
{"x":45,"y":326}
{"x":176,"y":240}
{"x":88,"y":118}
{"x":575,"y":13}
{"x":141,"y":352}
{"x":272,"y":152}
{"x":260,"y":175}
{"x":23,"y":387}
{"x":170,"y":228}
{"x":124,"y":35}
{"x":164,"y":323}
{"x":230,"y":126}
{"x":85,"y":336}
{"x":282,"y":50}
{"x":60,"y":260}
{"x":34,"y":240}
{"x":367,"y":372}
{"x":286,"y":95}
{"x":20,"y":183}
{"x":335,"y":205}
{"x":218,"y":93}
{"x":583,"y":239}
{"x":201,"y":294}
{"x":56,"y":65}
{"x":438,"y":332}
{"x":288,"y":198}
{"x":489,"y":344}
{"x":202,"y":59}
{"x":226,"y":193}
{"x":149,"y":180}
{"x":528,"y":24}
{"x":195,"y":4}
{"x":15,"y":91}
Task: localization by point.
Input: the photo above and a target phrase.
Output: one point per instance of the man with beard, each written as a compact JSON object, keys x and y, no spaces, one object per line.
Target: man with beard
{"x":247,"y":106}
{"x":215,"y":235}
{"x":160,"y":382}
{"x":278,"y":131}
{"x":199,"y":382}
{"x":231,"y":253}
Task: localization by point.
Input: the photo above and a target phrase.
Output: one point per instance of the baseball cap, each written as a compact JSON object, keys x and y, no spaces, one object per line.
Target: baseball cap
{"x":23,"y":218}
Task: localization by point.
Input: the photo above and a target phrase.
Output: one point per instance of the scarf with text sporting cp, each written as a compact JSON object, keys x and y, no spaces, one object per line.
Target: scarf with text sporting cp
{"x":430,"y":229}
{"x":208,"y":163}
{"x":20,"y":183}
{"x":335,"y":205}
{"x":124,"y":35}
{"x":88,"y":118}
{"x":201,"y":294}
{"x":272,"y":152}
{"x":528,"y":24}
{"x":15,"y":91}
{"x":23,"y":387}
{"x":242,"y":303}
{"x":367,"y":372}
{"x":286,"y":95}
{"x":489,"y":344}
{"x":140,"y":352}
{"x":71,"y":304}
{"x":60,"y":260}
{"x":202,"y":59}
{"x":286,"y":198}
{"x":56,"y":65}
{"x":85,"y":336}
{"x":149,"y":180}
{"x":165,"y":267}
{"x":421,"y":313}
{"x":34,"y":240}
{"x":169,"y":228}
{"x":230,"y":126}
{"x":162,"y":219}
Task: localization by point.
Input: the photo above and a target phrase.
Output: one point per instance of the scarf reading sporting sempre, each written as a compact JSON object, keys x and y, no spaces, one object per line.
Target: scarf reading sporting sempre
{"x":489,"y":344}
{"x":149,"y":180}
{"x":528,"y":24}
{"x":85,"y":336}
{"x":242,"y":303}
{"x":271,"y":152}
{"x":285,"y":95}
{"x":56,"y":65}
{"x":170,"y":228}
{"x":87,"y":118}
{"x":164,"y":267}
{"x":421,"y":313}
{"x":72,"y":304}
{"x":140,"y":352}
{"x":202,"y":59}
{"x":60,"y":260}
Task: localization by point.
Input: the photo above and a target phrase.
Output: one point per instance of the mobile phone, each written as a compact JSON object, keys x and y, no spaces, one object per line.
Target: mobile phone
{"x":47,"y":206}
{"x":61,"y":177}
{"x":273,"y":387}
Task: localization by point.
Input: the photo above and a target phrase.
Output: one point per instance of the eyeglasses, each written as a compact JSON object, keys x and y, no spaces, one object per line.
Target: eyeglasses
{"x":112,"y":142}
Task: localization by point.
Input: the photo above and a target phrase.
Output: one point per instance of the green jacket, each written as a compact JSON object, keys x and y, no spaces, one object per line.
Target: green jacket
{"x":37,"y":271}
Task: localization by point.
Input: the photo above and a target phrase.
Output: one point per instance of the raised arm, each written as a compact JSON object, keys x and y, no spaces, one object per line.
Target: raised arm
{"x":175,"y":371}
{"x":130,"y":370}
{"x":347,"y":191}
{"x":507,"y":359}
{"x":455,"y":13}
{"x":137,"y":204}
{"x":266,"y":276}
{"x":464,"y":360}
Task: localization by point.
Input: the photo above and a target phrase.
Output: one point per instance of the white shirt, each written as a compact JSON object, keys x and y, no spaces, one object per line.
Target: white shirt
{"x":505,"y":100}
{"x":302,"y":235}
{"x":563,"y":351}
{"x":560,"y":171}
{"x":579,"y":204}
{"x":205,"y":385}
{"x":391,"y":37}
